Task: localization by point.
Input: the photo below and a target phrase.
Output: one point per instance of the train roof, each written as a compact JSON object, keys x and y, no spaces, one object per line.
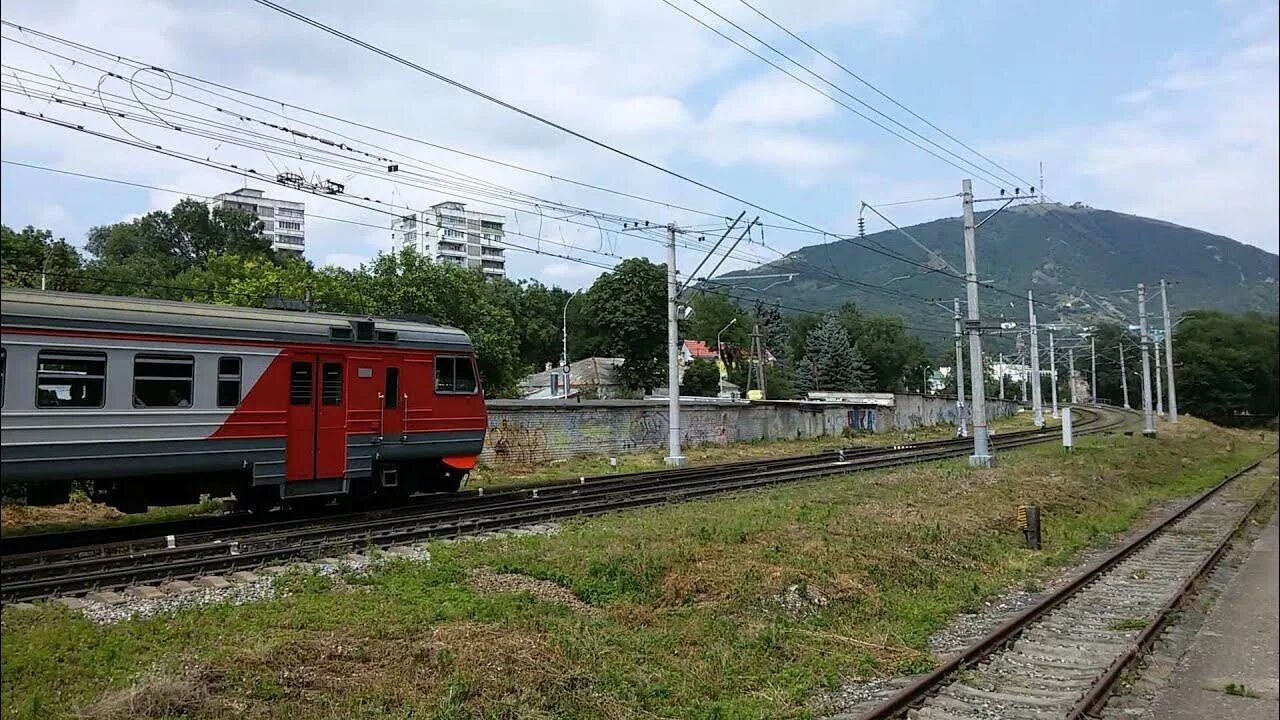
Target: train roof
{"x":23,"y":308}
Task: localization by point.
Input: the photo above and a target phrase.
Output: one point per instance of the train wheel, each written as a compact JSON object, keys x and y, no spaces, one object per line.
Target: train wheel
{"x":258,"y":500}
{"x":444,"y":479}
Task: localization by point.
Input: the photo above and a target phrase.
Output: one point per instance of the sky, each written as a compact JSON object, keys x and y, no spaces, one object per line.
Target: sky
{"x":1160,"y":109}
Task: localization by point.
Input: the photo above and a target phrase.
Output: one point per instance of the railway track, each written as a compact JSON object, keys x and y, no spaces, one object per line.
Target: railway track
{"x":69,"y":569}
{"x":1060,"y":658}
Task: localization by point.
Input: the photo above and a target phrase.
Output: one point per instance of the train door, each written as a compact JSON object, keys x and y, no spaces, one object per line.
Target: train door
{"x":393,"y":401}
{"x":316,"y":445}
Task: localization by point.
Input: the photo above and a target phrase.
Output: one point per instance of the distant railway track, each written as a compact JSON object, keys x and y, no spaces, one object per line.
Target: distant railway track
{"x":45,"y":566}
{"x":1062,"y":657}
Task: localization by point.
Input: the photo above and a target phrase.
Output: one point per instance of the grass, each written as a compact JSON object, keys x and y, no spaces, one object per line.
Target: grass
{"x":18,"y":519}
{"x":683,"y":615}
{"x":1129,"y":624}
{"x":1239,"y":690}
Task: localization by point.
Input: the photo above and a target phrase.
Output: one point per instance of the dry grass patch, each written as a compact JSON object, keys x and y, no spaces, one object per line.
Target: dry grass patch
{"x":77,"y":512}
{"x":464,"y":668}
{"x":157,"y":696}
{"x":486,"y":580}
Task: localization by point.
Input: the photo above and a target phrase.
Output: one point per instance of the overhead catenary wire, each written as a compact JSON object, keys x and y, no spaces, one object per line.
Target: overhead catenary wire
{"x":781,"y":254}
{"x":535,"y":116}
{"x":881,"y":93}
{"x":984,"y":175}
{"x":822,"y":271}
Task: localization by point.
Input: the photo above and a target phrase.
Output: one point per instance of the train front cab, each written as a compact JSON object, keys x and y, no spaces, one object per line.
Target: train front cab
{"x":377,"y":424}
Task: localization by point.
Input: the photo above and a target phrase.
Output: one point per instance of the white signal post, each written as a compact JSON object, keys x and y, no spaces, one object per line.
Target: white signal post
{"x":1053,"y":375}
{"x":962,"y":430}
{"x":1148,"y":412}
{"x":1168,"y":351}
{"x":1037,"y":406}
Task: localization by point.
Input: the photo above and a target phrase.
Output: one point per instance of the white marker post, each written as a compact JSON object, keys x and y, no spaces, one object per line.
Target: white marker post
{"x":1068,"y":442}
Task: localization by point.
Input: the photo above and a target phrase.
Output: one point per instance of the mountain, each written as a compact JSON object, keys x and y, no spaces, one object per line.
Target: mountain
{"x":1082,"y":263}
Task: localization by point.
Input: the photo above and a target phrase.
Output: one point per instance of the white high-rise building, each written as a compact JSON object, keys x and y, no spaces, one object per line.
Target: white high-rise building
{"x":449,"y":233}
{"x":283,"y":221}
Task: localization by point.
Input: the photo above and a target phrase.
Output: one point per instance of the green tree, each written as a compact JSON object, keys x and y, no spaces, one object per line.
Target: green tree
{"x":628,"y":308}
{"x":776,"y":329}
{"x":701,"y":378}
{"x":1227,"y":364}
{"x":411,"y":285}
{"x":25,"y":255}
{"x":831,"y":363}
{"x":711,"y":313}
{"x":143,"y":256}
{"x":540,"y":310}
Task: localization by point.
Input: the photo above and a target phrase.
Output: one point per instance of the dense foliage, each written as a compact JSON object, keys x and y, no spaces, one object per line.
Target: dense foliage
{"x":701,"y":378}
{"x":831,"y":362}
{"x":1227,"y":365}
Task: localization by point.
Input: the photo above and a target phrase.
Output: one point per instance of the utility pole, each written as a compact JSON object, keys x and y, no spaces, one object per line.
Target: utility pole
{"x":1093,"y":371}
{"x":673,"y":354}
{"x":981,"y":448}
{"x":1026,"y":376}
{"x":1148,"y":414}
{"x":1124,"y":378}
{"x":1001,"y":376}
{"x":1159,"y":387}
{"x":1168,"y":351}
{"x":1037,"y":407}
{"x":963,"y":429}
{"x":1053,"y":376}
{"x":1071,"y":373}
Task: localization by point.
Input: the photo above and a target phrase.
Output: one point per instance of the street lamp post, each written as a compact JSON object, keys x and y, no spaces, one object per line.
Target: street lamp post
{"x":720,"y":353}
{"x":564,"y":341}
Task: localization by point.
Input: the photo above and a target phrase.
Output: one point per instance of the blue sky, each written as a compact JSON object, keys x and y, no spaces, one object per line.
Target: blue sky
{"x":1160,"y":109}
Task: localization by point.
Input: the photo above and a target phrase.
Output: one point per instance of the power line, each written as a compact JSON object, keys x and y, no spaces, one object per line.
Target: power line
{"x":985,"y":176}
{"x":881,"y":93}
{"x":822,"y":271}
{"x":534,"y":116}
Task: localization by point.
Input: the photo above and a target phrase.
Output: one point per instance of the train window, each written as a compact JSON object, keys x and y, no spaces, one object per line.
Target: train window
{"x":70,"y":379}
{"x":464,"y":378}
{"x":4,"y":364}
{"x":455,"y":375}
{"x":392,"y":391}
{"x":162,"y":380}
{"x":228,"y":381}
{"x":331,"y":384}
{"x":300,"y":384}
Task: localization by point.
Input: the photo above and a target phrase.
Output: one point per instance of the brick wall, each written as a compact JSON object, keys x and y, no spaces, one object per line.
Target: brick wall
{"x":530,"y":432}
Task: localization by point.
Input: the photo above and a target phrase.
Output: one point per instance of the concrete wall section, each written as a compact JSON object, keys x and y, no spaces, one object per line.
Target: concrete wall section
{"x":531,"y":432}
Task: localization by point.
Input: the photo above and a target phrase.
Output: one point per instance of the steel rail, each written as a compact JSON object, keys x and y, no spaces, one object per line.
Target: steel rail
{"x":41,"y":547}
{"x":571,"y":500}
{"x":917,"y":691}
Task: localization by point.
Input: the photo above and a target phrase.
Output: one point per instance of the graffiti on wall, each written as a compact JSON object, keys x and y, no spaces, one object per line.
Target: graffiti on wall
{"x":862,"y":420}
{"x":645,"y":430}
{"x":517,"y":443}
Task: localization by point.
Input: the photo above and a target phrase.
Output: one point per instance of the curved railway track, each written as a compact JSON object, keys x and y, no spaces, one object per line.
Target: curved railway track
{"x":1060,"y":658}
{"x":68,"y":567}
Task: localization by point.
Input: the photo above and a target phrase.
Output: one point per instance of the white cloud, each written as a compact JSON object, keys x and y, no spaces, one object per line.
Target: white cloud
{"x":637,"y":75}
{"x":770,"y":99}
{"x":1199,"y":147}
{"x":344,"y":260}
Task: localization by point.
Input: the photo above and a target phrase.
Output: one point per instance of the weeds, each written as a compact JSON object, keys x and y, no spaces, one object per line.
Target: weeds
{"x":678,"y":616}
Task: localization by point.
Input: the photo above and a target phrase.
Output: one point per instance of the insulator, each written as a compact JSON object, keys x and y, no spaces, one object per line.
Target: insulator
{"x":862,"y":227}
